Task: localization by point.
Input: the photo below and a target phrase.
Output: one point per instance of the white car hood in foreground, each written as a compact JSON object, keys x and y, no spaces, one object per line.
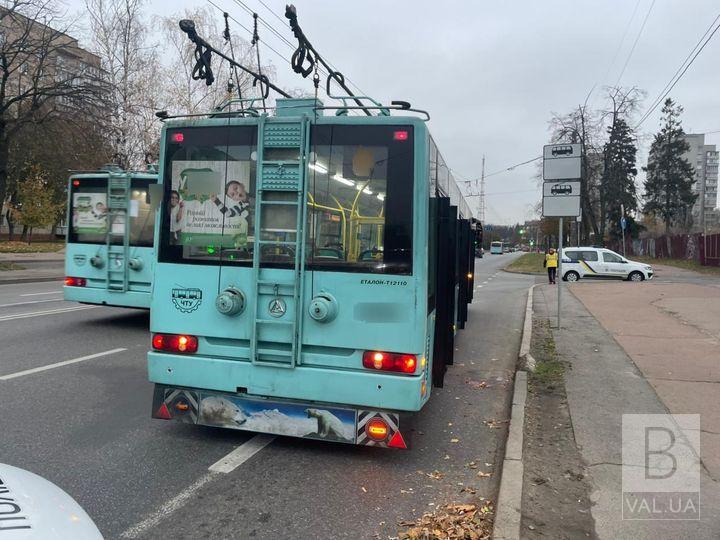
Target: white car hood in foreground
{"x":33,"y":508}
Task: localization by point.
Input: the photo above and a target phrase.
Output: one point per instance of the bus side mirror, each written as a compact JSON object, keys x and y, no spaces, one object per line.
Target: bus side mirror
{"x":154,"y":196}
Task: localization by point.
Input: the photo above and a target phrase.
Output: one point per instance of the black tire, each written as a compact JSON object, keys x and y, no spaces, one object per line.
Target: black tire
{"x":636,"y":276}
{"x":571,"y":276}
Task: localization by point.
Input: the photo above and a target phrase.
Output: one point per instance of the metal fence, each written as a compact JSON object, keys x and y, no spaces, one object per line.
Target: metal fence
{"x":703,"y":249}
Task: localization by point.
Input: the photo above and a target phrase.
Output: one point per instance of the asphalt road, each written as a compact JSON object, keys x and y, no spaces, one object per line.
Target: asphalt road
{"x":86,"y":426}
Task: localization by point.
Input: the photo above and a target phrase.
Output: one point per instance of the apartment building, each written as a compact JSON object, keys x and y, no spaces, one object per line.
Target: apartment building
{"x":704,"y":158}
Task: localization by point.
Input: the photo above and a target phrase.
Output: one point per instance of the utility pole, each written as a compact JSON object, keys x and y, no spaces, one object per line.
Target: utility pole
{"x":482,"y":192}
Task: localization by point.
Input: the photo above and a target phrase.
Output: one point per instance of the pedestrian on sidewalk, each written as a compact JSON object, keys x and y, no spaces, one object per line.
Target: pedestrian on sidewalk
{"x":551,"y":263}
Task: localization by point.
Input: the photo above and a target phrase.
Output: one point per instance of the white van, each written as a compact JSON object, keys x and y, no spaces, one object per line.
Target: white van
{"x":591,"y":262}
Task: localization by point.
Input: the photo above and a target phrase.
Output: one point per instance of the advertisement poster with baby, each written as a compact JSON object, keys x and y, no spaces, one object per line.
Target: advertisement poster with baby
{"x":210,"y":203}
{"x":90,"y":213}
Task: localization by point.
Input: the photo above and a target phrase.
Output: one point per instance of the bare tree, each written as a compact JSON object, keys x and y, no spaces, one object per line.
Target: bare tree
{"x":582,"y":125}
{"x":36,"y":85}
{"x":131,"y":66}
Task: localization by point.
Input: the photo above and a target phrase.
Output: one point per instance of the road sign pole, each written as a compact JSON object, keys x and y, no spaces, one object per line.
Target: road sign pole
{"x":559,"y":268}
{"x":623,"y":224}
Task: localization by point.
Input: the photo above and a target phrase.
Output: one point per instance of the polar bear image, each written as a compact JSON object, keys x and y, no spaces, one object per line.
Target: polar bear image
{"x":215,"y":410}
{"x":329,"y":425}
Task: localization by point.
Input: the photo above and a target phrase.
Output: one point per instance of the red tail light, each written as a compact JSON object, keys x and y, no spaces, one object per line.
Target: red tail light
{"x":400,"y":135}
{"x":75,"y":282}
{"x":177,"y":343}
{"x":385,"y":361}
{"x":177,"y":137}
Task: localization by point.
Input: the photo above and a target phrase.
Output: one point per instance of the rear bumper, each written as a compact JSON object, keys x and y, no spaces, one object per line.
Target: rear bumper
{"x":357,"y":388}
{"x":322,"y":421}
{"x":96,"y":295}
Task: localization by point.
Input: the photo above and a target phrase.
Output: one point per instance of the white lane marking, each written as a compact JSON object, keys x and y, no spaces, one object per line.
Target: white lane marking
{"x":41,"y":293}
{"x":168,"y":508}
{"x":225,"y":465}
{"x":485,"y":282}
{"x":46,"y":312}
{"x":241,"y":454}
{"x":32,"y":302}
{"x":60,"y":364}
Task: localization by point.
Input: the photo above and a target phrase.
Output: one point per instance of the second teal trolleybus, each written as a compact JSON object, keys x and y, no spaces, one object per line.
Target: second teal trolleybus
{"x":317,"y":276}
{"x":109,"y":256}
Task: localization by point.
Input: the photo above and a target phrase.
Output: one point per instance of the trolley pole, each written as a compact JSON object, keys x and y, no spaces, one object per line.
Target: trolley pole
{"x":559,"y":268}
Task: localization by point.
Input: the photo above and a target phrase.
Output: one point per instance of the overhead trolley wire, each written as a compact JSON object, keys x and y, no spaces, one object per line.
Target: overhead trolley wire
{"x":680,"y":71}
{"x":637,"y":38}
{"x":286,"y":25}
{"x":249,"y":31}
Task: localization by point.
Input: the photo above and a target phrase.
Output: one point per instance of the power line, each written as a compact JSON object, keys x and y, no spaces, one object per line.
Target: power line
{"x":513,"y":166}
{"x":667,"y":89}
{"x":292,"y":47}
{"x":622,"y":40}
{"x":241,"y":25}
{"x":637,"y":38}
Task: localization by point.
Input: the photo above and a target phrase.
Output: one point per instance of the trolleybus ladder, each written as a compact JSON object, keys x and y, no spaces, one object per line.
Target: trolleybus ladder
{"x":281,"y":183}
{"x":117,"y":253}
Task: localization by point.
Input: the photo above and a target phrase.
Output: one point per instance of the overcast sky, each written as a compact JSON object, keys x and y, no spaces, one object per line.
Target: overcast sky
{"x":492,"y":73}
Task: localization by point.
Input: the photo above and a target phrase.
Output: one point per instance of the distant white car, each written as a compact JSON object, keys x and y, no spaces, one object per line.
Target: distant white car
{"x":591,"y":262}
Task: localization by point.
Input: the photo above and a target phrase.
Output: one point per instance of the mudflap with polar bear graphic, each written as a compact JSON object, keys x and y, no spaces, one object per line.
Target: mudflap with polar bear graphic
{"x":278,"y":417}
{"x":233,"y":411}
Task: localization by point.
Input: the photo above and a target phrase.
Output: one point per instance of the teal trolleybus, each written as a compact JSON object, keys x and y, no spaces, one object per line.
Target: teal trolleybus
{"x":316,"y":278}
{"x":109,"y":256}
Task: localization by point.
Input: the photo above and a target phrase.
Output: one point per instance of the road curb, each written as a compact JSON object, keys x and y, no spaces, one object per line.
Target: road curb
{"x":522,"y":273}
{"x":509,"y":504}
{"x":15,"y":281}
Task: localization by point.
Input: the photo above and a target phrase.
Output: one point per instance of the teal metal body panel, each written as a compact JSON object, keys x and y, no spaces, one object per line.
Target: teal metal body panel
{"x":375,"y":312}
{"x":136,"y":282}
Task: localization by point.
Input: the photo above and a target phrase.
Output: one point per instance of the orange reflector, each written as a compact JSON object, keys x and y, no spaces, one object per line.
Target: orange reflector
{"x":163,"y":413}
{"x":182,"y":406}
{"x":377,"y":429}
{"x":397,"y":441}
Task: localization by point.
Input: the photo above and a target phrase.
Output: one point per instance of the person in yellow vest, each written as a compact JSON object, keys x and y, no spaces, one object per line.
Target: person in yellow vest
{"x":551,"y":263}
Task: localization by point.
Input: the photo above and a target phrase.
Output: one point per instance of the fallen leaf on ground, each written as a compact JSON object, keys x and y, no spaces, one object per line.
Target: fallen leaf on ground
{"x":436,"y":475}
{"x":476,"y":384}
{"x":450,"y":522}
{"x":468,"y":489}
{"x":454,"y":440}
{"x":472,"y":465}
{"x":364,"y":490}
{"x":482,"y":474}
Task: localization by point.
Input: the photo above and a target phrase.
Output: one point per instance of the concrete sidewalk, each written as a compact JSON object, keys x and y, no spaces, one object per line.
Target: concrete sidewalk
{"x":603,"y":383}
{"x":33,"y":267}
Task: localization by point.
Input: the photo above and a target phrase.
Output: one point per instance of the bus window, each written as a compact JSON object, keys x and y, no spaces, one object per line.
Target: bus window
{"x":88,"y":197}
{"x":142,"y":218}
{"x":360,"y":192}
{"x":209,"y":206}
{"x":89,"y":222}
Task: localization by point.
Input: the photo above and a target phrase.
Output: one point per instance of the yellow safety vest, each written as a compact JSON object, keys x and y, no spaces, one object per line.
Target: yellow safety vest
{"x":551,"y":260}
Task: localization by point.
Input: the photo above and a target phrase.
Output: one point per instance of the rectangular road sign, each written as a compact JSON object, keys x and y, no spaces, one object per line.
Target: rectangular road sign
{"x":565,"y":188}
{"x":561,"y":199}
{"x":562,"y":161}
{"x":561,"y":206}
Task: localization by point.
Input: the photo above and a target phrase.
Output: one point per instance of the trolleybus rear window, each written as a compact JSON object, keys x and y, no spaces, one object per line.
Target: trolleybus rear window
{"x":360,"y":193}
{"x":90,"y":221}
{"x":359,"y":201}
{"x":209,"y":207}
